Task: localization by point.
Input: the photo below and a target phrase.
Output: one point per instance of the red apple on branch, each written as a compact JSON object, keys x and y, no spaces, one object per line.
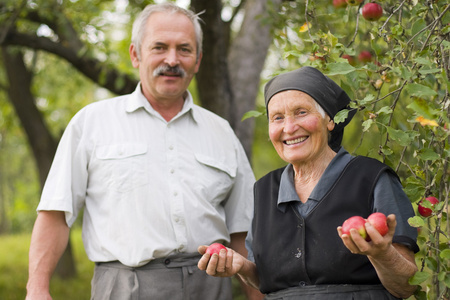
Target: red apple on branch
{"x":354,"y":2}
{"x":425,"y":211}
{"x":215,"y":248}
{"x":365,"y":56}
{"x":349,"y":58}
{"x":372,"y":11}
{"x":339,"y":3}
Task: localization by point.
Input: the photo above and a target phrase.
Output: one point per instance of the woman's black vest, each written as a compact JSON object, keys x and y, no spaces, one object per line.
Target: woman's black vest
{"x":290,"y":250}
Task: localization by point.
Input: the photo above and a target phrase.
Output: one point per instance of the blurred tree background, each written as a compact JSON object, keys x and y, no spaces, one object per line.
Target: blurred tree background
{"x":57,"y":56}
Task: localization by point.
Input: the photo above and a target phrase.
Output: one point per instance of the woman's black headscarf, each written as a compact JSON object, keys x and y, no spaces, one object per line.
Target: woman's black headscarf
{"x":325,"y":91}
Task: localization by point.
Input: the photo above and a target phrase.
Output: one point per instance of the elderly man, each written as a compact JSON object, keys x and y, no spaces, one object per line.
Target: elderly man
{"x":157,"y":176}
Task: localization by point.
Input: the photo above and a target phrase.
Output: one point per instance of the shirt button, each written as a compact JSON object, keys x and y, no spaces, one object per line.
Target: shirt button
{"x":302,"y":283}
{"x":170,"y":147}
{"x":167,"y":261}
{"x":172,"y":171}
{"x":175,"y":193}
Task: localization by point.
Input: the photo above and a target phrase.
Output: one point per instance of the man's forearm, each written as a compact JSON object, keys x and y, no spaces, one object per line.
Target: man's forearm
{"x":48,"y":242}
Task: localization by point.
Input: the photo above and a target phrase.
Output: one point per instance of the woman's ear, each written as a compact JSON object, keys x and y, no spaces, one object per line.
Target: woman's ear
{"x":330,"y":125}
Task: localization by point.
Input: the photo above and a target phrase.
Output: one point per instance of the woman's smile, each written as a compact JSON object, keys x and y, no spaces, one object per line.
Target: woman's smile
{"x":295,"y":141}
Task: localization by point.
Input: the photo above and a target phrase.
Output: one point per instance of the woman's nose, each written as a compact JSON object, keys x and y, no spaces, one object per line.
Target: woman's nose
{"x":290,"y":125}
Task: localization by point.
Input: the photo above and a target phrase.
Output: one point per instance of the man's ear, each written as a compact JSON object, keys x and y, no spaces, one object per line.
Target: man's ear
{"x":197,"y":63}
{"x":134,"y":56}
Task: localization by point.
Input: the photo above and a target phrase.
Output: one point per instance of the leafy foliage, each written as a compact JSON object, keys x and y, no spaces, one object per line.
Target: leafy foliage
{"x":401,"y":91}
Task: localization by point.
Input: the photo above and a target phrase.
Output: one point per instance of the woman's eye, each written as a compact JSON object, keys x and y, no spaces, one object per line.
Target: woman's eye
{"x":276,"y":118}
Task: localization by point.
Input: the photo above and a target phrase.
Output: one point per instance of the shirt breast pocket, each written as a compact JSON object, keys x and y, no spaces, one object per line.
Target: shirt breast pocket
{"x":123,"y":166}
{"x":215,"y":177}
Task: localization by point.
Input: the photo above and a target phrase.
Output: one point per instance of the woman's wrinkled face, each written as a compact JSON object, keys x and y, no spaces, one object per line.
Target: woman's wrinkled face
{"x":298,"y":128}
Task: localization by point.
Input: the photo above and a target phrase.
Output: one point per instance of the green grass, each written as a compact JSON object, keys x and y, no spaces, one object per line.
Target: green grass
{"x":14,"y":270}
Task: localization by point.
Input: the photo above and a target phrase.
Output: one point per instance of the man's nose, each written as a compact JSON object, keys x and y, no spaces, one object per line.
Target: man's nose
{"x":172,"y":58}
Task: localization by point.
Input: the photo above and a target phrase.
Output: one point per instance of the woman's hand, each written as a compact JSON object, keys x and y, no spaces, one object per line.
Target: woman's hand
{"x":394,"y":263}
{"x":228,"y":263}
{"x":225,"y":264}
{"x":377,"y":246}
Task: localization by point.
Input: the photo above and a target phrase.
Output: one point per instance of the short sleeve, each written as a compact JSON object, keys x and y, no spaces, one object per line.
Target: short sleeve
{"x":389,"y":198}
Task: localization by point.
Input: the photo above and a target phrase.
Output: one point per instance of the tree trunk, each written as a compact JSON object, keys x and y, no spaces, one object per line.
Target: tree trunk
{"x":246,"y":61}
{"x":213,"y":82}
{"x":229,"y":76}
{"x":40,"y":140}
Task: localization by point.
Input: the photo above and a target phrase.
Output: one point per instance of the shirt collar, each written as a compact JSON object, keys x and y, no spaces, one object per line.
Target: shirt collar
{"x":287,"y":192}
{"x":137,"y":100}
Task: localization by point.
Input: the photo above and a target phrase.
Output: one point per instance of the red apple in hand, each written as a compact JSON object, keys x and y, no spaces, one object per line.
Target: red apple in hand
{"x":215,"y":248}
{"x":378,"y":220}
{"x":372,"y":11}
{"x":425,"y":211}
{"x":357,"y":223}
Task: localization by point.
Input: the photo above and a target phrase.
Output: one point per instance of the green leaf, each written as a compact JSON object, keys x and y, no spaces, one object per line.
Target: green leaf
{"x":252,"y":114}
{"x":420,"y":90}
{"x":367,"y":124}
{"x":339,"y":68}
{"x":332,"y":39}
{"x":400,"y":136}
{"x":414,"y":190}
{"x":428,"y":154}
{"x":341,"y":116}
{"x":423,"y":61}
{"x":417,"y":26}
{"x":385,"y":110}
{"x":416,"y":221}
{"x":429,"y":71}
{"x":367,"y":99}
{"x":422,"y":108}
{"x":445,"y":254}
{"x":431,"y":263}
{"x":387,"y":151}
{"x":406,"y":73}
{"x":447,"y":280}
{"x":418,"y":278}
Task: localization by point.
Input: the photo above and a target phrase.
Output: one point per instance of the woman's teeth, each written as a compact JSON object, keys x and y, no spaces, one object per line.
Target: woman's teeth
{"x":299,"y":140}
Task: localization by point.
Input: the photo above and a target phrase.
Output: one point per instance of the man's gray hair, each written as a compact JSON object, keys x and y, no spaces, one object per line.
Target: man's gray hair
{"x":139,"y":24}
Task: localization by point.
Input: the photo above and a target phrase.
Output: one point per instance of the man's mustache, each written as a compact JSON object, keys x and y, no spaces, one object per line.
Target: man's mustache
{"x":168,"y":70}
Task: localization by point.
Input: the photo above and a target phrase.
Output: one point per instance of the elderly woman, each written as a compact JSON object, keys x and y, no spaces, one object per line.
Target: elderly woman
{"x":294,"y":249}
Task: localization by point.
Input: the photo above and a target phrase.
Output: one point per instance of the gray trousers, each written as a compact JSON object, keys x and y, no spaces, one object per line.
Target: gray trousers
{"x":333,"y":292}
{"x":171,"y":278}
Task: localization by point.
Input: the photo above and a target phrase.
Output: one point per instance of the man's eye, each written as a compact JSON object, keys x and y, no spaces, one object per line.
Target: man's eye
{"x":185,"y":50}
{"x":158,"y":48}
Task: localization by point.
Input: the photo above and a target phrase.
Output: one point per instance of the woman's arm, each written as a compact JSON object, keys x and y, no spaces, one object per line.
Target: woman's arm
{"x":394,"y":263}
